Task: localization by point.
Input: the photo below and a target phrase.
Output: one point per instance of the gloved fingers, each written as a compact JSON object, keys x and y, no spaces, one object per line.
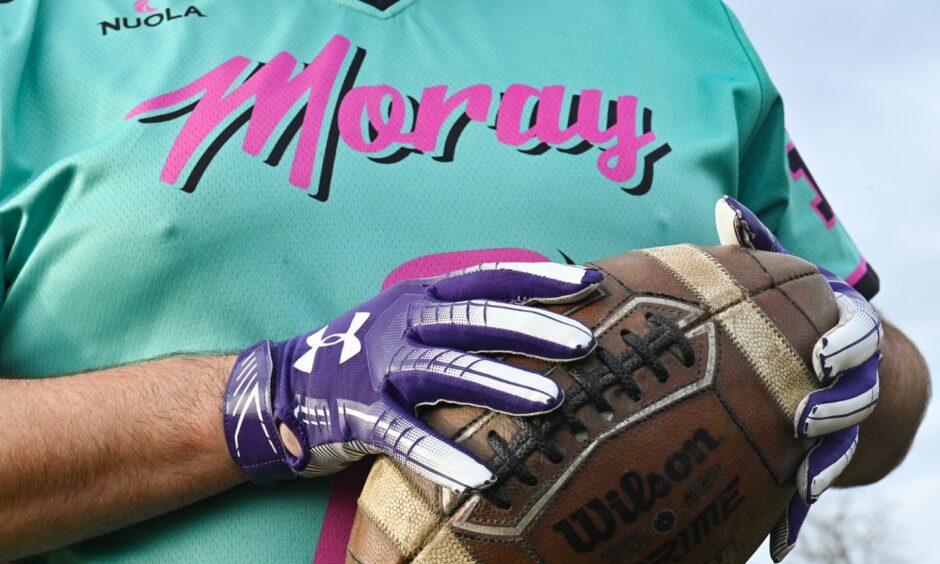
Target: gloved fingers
{"x":849,"y":400}
{"x":430,"y":375}
{"x":738,"y":225}
{"x":855,"y":339}
{"x":857,"y":336}
{"x":408,"y":440}
{"x":825,"y":462}
{"x":819,"y":469}
{"x":784,"y":534}
{"x":330,"y":458}
{"x":520,"y":282}
{"x":491,"y":326}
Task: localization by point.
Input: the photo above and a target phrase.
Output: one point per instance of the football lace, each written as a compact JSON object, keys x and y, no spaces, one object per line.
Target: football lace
{"x":616,"y":370}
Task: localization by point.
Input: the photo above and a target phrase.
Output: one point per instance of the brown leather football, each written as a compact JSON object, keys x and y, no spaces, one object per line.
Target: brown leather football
{"x":675,"y":440}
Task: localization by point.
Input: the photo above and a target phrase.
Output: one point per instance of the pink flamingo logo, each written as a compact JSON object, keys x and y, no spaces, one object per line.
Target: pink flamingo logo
{"x":143,"y":6}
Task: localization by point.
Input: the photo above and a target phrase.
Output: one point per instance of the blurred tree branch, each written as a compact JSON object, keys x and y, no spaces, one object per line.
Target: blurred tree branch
{"x":842,"y":532}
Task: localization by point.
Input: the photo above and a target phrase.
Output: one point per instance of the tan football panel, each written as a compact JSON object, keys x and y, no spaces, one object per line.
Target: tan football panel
{"x":698,"y":271}
{"x":769,"y":353}
{"x":445,"y":548}
{"x":369,"y":545}
{"x":774,"y":360}
{"x":393,"y":504}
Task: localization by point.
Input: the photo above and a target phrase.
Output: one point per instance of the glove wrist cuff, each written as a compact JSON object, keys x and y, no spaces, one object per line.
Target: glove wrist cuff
{"x":248,"y":417}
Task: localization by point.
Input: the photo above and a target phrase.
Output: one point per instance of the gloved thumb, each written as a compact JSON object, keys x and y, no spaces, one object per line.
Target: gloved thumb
{"x":738,"y":225}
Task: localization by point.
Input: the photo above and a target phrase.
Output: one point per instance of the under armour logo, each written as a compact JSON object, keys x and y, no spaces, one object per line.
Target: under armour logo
{"x":351,"y":343}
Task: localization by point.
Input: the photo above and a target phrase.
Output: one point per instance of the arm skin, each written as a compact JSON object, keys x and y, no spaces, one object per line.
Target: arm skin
{"x":87,"y":454}
{"x":885,"y":437}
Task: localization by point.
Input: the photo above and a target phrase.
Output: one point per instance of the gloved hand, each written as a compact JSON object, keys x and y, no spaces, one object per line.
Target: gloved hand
{"x":846,"y":362}
{"x":318,"y":402}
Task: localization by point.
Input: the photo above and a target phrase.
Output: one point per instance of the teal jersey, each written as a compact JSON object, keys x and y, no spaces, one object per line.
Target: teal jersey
{"x":196,"y":176}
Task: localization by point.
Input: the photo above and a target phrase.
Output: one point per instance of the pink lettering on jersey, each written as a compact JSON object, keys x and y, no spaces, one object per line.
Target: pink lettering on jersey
{"x":381,"y":121}
{"x":369,"y":98}
{"x":436,"y":107}
{"x":617,"y":162}
{"x":274,"y":91}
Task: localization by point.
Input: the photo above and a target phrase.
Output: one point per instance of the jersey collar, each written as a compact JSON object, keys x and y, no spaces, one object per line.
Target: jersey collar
{"x":382,"y":9}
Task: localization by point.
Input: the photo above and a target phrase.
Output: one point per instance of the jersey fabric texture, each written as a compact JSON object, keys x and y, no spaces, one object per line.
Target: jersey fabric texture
{"x":160,"y":161}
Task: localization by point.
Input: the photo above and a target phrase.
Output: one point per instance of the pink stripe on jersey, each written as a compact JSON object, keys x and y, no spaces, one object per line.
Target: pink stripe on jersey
{"x":858,"y":273}
{"x":435,"y":265}
{"x":340,"y":512}
{"x":347,"y":485}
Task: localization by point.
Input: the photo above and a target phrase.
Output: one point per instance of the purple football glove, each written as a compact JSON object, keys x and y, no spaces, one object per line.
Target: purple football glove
{"x":318,"y":402}
{"x":846,"y":362}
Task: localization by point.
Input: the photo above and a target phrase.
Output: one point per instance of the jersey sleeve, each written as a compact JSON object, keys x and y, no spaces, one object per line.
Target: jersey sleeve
{"x":775,"y":183}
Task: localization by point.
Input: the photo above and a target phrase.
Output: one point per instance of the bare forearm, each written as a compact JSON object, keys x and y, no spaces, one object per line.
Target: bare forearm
{"x":86,"y":454}
{"x":886,"y":435}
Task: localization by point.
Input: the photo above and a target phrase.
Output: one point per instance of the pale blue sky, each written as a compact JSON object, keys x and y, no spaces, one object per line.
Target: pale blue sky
{"x":861,"y":84}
